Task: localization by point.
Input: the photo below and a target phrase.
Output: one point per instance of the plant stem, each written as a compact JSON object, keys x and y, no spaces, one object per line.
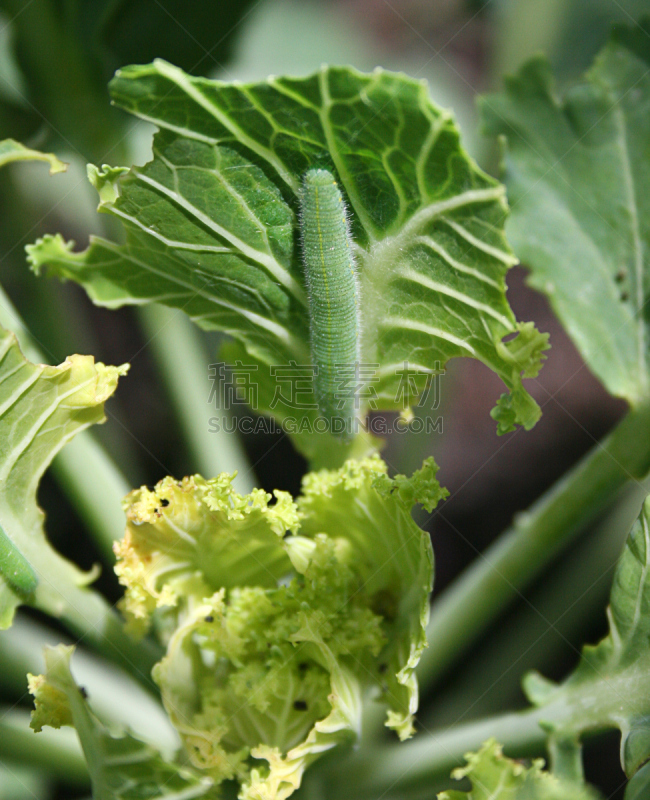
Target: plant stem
{"x":545,"y":629}
{"x":116,"y":697}
{"x":96,"y":487}
{"x":85,"y":471}
{"x":600,"y":702}
{"x":179,"y":351}
{"x":86,"y":614}
{"x":20,"y":781}
{"x":431,"y":756}
{"x":56,"y":752}
{"x":495,"y":579}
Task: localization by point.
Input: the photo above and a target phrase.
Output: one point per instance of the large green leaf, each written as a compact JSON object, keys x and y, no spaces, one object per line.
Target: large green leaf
{"x":495,"y":777}
{"x":121,"y":767}
{"x":41,"y":408}
{"x":212,"y":224}
{"x":577,"y":169}
{"x":610,"y":688}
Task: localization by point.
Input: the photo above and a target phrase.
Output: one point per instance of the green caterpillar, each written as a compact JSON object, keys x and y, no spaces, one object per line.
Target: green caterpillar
{"x":15,"y":568}
{"x":332,"y":285}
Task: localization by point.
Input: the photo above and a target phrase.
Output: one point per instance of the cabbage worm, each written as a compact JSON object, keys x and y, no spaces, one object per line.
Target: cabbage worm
{"x":330,"y":272}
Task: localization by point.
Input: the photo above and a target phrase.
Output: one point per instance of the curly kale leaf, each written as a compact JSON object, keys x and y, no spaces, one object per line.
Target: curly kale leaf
{"x":277,"y":617}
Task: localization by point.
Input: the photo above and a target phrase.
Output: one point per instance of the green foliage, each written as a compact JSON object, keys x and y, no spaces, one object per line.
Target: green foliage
{"x":276,"y":617}
{"x":41,"y":408}
{"x":610,"y":688}
{"x":212,"y":228}
{"x":495,"y":777}
{"x":639,"y":787}
{"x":10,"y":150}
{"x":578,"y":175}
{"x":120,"y":766}
{"x":422,"y":487}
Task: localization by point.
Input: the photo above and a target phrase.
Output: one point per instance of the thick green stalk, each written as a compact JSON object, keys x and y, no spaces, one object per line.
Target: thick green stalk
{"x":570,"y":595}
{"x":88,"y":616}
{"x":87,"y":473}
{"x":95,"y":487}
{"x":22,"y":782}
{"x":603,"y":702}
{"x":497,"y":576}
{"x":179,"y":352}
{"x":56,"y":752}
{"x":430,"y":757}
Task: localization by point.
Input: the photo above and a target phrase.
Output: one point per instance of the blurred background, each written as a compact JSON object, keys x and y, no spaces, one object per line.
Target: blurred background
{"x":56,"y":57}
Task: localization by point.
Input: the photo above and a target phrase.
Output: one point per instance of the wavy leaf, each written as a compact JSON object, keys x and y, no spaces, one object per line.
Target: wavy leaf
{"x":41,"y":408}
{"x":577,"y":168}
{"x":391,"y":556}
{"x":495,"y":777}
{"x":212,"y":227}
{"x":11,"y":150}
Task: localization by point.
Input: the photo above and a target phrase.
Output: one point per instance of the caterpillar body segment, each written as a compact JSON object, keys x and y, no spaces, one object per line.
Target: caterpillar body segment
{"x":334,"y":307}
